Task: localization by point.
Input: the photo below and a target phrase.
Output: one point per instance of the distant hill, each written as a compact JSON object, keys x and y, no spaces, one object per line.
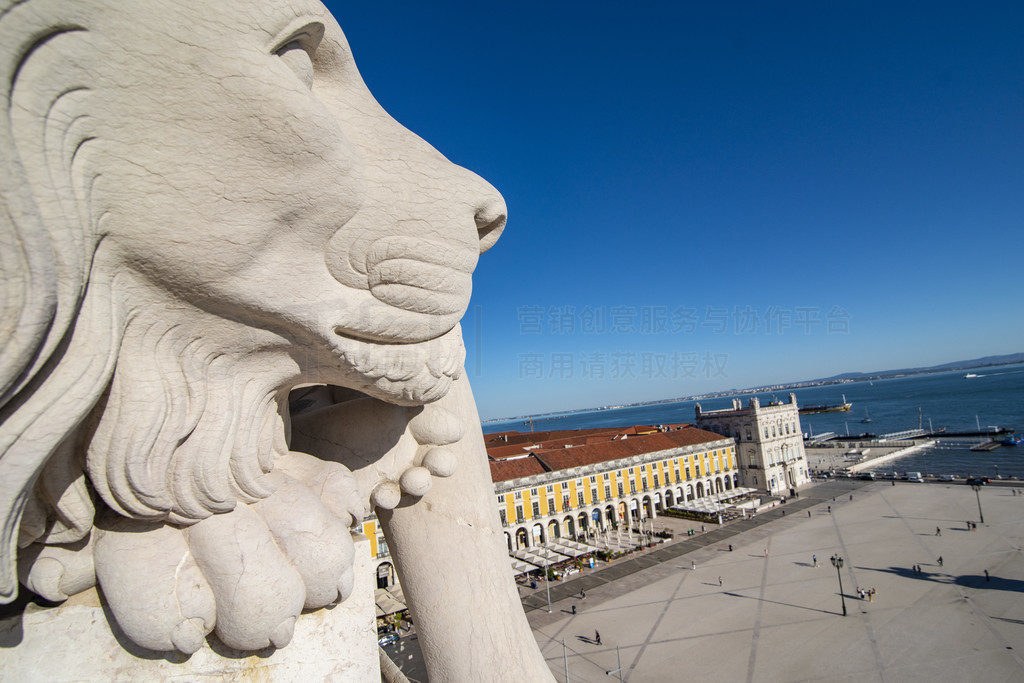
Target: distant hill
{"x":987,"y":361}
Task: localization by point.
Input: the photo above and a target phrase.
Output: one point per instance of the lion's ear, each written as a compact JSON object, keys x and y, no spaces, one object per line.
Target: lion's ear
{"x":56,"y":357}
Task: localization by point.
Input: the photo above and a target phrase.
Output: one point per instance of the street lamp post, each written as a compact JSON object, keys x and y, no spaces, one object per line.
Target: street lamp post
{"x":547,"y":581}
{"x":837,"y":562}
{"x":977,"y":493}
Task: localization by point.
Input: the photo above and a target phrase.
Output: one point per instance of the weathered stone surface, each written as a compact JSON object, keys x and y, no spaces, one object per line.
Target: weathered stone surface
{"x":73,"y":642}
{"x":206,"y":213}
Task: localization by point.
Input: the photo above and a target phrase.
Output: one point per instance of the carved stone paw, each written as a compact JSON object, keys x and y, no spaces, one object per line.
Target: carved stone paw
{"x":392,"y":451}
{"x":246,"y":574}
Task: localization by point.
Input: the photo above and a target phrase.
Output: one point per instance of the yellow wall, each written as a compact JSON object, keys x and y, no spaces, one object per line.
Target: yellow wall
{"x":370,"y":531}
{"x":719,"y":460}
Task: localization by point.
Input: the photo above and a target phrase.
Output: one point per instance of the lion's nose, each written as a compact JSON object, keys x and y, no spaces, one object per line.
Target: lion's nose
{"x":490,"y":219}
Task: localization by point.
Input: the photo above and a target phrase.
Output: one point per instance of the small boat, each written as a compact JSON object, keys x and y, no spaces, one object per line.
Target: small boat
{"x":1013,"y":440}
{"x":969,"y":375}
{"x":867,"y":417}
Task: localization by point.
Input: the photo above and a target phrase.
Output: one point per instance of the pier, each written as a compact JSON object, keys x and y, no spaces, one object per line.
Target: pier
{"x":860,"y":456}
{"x":991,"y":431}
{"x":906,"y":434}
{"x":820,"y":438}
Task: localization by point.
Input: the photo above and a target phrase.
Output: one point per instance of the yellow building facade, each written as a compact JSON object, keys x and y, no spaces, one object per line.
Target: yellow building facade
{"x":605,"y":484}
{"x":549,"y":485}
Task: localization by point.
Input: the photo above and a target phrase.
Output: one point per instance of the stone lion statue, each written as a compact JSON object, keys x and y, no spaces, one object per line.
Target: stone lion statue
{"x":230,"y":302}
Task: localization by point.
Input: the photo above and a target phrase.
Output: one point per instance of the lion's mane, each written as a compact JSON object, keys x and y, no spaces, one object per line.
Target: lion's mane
{"x":73,"y":343}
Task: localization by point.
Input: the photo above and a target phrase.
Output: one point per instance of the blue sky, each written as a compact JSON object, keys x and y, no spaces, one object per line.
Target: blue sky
{"x":705,"y":196}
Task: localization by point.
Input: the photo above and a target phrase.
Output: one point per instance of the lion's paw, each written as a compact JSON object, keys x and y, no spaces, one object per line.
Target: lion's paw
{"x":258,"y":592}
{"x":317,"y":544}
{"x":245,"y":574}
{"x":150,"y":579}
{"x":393,"y":451}
{"x":56,"y":572}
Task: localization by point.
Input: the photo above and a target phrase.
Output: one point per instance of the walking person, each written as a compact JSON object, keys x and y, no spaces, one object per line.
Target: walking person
{"x":814,"y":559}
{"x":597,"y":637}
{"x":940,"y":560}
{"x":720,"y":579}
{"x":938,"y":531}
{"x":574,"y":609}
{"x":986,"y":578}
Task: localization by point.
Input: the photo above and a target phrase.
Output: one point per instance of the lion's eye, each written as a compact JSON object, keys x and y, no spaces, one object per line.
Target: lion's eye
{"x":296,"y":57}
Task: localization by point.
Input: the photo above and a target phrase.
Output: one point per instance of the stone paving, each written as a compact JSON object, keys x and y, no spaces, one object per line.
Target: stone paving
{"x":776,"y":618}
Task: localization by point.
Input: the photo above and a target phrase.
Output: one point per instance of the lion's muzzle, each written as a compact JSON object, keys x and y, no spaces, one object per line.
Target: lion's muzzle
{"x":420,"y":275}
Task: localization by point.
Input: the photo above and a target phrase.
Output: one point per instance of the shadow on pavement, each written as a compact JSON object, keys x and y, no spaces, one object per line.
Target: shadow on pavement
{"x":994,"y":583}
{"x":977,"y":581}
{"x":776,"y":602}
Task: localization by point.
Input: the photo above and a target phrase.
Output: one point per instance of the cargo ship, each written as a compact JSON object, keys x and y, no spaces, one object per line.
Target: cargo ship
{"x":843,"y":407}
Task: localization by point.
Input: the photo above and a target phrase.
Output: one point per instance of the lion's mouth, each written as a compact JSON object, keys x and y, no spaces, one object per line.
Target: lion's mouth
{"x":407,"y":374}
{"x":401,"y":341}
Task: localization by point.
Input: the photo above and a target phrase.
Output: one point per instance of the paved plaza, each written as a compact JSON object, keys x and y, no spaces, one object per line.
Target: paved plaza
{"x":776,"y":618}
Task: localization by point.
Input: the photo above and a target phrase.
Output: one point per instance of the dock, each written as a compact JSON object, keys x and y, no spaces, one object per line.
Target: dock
{"x":860,"y":456}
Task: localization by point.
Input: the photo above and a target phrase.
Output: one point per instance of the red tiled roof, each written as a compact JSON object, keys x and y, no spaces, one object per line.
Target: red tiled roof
{"x":589,"y":448}
{"x":506,"y":451}
{"x":503,"y":470}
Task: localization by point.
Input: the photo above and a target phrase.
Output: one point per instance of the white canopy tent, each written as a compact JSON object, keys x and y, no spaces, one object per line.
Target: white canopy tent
{"x":702,"y":505}
{"x":571,"y":548}
{"x":520,"y":567}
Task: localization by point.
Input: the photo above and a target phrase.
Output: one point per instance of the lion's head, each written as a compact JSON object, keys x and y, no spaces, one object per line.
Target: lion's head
{"x":205,"y":208}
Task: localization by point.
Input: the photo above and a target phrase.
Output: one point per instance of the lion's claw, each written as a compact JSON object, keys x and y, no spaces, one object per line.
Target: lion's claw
{"x":188,"y":635}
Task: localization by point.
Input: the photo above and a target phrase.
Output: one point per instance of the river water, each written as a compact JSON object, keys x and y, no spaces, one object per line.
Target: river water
{"x":995,"y":398}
